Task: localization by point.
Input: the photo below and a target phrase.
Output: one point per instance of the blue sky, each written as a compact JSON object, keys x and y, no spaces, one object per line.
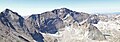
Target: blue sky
{"x":28,"y":7}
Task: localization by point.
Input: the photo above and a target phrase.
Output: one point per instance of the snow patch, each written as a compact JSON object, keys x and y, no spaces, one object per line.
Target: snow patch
{"x":67,"y":16}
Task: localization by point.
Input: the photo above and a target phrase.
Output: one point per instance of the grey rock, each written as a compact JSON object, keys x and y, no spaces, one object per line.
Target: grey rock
{"x":14,"y":29}
{"x":95,"y":33}
{"x":52,"y":21}
{"x":94,"y":19}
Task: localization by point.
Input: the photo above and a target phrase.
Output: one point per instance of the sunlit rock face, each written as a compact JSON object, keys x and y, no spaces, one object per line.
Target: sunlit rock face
{"x":14,"y":29}
{"x":12,"y":18}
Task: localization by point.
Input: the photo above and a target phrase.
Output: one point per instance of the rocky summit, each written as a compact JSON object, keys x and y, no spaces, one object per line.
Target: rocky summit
{"x":59,"y":25}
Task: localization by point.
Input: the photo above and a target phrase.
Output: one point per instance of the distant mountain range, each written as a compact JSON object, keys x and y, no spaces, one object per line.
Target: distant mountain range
{"x":109,"y":13}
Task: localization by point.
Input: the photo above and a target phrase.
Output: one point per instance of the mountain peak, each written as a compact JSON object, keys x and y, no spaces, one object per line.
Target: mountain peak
{"x":7,"y":10}
{"x":63,"y":8}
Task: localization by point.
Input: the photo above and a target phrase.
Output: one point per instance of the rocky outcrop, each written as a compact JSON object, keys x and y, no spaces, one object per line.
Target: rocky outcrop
{"x":95,"y":33}
{"x":94,"y":19}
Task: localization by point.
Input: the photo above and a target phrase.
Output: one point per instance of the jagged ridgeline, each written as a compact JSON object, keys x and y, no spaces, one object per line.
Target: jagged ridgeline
{"x":15,"y":28}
